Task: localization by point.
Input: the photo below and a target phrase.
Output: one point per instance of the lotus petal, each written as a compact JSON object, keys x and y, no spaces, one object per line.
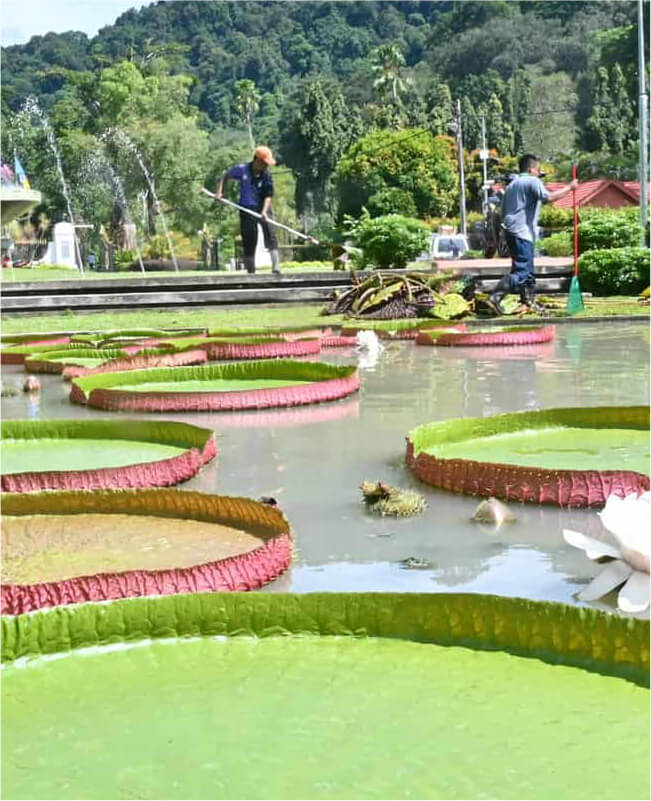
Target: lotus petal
{"x":634,"y":595}
{"x":594,"y":549}
{"x":629,"y":521}
{"x":614,"y":574}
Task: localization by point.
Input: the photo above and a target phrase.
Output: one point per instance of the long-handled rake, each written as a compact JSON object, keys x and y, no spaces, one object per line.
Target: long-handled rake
{"x":575,"y":299}
{"x":259,"y":216}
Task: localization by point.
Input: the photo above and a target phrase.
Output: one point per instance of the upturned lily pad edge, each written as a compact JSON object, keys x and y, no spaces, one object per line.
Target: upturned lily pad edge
{"x":200,"y":447}
{"x":559,"y":487}
{"x":556,"y":633}
{"x":245,"y":571}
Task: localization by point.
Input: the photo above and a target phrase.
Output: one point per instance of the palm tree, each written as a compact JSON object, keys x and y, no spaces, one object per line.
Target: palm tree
{"x":387,"y":63}
{"x":247,"y":103}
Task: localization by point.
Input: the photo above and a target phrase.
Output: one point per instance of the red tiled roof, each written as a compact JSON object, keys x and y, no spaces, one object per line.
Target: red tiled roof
{"x":589,"y":190}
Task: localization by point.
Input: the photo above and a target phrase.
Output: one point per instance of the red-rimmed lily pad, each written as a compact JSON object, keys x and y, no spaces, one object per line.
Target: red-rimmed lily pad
{"x":511,"y":335}
{"x":260,"y":348}
{"x":92,"y":454}
{"x":339,"y":342}
{"x":71,"y":547}
{"x":289,"y":332}
{"x":400,"y":329}
{"x":567,"y":457}
{"x":180,"y":691}
{"x":139,"y":361}
{"x":17,"y":354}
{"x":55,"y":361}
{"x":224,"y":387}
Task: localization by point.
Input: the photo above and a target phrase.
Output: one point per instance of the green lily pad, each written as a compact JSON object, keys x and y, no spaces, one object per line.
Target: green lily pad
{"x":40,"y":454}
{"x":232,"y":380}
{"x":380,"y":696}
{"x":567,"y":439}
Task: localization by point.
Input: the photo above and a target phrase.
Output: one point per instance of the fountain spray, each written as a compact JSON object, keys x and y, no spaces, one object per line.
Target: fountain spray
{"x":121,"y":137}
{"x":31,"y":108}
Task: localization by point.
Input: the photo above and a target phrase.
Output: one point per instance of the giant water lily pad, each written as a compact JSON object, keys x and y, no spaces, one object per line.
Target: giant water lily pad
{"x":70,"y":547}
{"x":241,"y":385}
{"x":325,"y":696}
{"x":568,"y":457}
{"x":400,"y":329}
{"x":90,"y":454}
{"x":55,"y":361}
{"x":512,"y":335}
{"x":143,"y":360}
{"x":18,"y":353}
{"x":262,"y":347}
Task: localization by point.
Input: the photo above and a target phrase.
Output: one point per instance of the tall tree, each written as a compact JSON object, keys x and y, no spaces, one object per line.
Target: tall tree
{"x":600,"y":121}
{"x":247,"y":104}
{"x":438,"y":101}
{"x":499,"y":134}
{"x":315,"y":130}
{"x":388,"y":63}
{"x":623,"y":116}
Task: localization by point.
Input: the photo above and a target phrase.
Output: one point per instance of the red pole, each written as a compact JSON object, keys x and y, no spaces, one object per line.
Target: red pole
{"x":576,"y":225}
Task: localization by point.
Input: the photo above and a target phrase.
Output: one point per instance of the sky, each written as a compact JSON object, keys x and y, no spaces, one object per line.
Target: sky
{"x":22,"y":19}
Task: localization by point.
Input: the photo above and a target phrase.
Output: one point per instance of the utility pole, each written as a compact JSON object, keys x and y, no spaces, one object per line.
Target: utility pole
{"x":462,"y":179}
{"x":484,"y":160}
{"x":643,"y":119}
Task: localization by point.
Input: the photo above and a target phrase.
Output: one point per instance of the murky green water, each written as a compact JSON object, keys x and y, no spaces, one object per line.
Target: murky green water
{"x":313,"y":459}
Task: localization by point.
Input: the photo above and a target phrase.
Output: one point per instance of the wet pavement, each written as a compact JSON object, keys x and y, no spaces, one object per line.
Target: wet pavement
{"x":312,"y":459}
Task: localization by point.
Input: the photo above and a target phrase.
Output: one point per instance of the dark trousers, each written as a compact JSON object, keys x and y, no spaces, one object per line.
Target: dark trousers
{"x":521,"y":251}
{"x":249,"y":231}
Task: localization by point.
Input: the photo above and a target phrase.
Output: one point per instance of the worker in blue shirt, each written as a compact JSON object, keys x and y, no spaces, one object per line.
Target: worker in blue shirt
{"x":520,"y":208}
{"x":256,"y":191}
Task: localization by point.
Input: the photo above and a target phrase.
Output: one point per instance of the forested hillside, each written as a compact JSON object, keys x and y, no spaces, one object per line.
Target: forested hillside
{"x":194,"y":83}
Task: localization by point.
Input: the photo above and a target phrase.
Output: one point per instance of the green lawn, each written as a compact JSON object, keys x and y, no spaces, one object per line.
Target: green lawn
{"x":232,"y":318}
{"x":62,"y":274}
{"x":249,"y":317}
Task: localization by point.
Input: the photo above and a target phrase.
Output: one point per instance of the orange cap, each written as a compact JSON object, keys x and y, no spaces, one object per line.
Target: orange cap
{"x":265,"y":154}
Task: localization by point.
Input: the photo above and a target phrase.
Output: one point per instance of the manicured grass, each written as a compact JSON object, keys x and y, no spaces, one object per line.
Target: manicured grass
{"x":233,"y":318}
{"x":223,"y":318}
{"x":22,"y":274}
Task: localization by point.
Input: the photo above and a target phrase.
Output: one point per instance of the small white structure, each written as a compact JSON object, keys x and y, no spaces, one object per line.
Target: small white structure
{"x":62,"y":250}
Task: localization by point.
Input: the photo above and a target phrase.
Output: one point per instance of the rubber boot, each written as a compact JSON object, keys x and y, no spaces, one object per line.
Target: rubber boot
{"x":530,"y":298}
{"x":275,"y":262}
{"x":503,"y":288}
{"x":249,"y":264}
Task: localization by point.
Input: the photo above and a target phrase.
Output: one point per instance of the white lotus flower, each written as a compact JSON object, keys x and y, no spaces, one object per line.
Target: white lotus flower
{"x":629,"y":521}
{"x":369,"y":348}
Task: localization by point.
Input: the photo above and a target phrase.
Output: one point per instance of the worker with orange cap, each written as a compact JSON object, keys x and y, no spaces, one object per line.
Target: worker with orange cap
{"x":256,"y":191}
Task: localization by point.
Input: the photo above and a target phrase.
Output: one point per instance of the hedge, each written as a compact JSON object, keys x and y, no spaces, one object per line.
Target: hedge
{"x":618,"y":271}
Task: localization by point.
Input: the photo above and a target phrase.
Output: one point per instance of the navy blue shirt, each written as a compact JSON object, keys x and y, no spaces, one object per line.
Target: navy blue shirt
{"x":253,"y":188}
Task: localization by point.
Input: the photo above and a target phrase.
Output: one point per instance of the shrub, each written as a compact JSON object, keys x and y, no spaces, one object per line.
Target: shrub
{"x":124,"y":258}
{"x":392,"y":200}
{"x":158,"y":248}
{"x":392,"y":240}
{"x":554,"y":216}
{"x":608,"y":230}
{"x":618,"y":271}
{"x":414,"y":161}
{"x":560,"y":244}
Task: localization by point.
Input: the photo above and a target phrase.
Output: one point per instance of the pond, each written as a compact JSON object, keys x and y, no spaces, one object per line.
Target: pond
{"x":313,"y":459}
